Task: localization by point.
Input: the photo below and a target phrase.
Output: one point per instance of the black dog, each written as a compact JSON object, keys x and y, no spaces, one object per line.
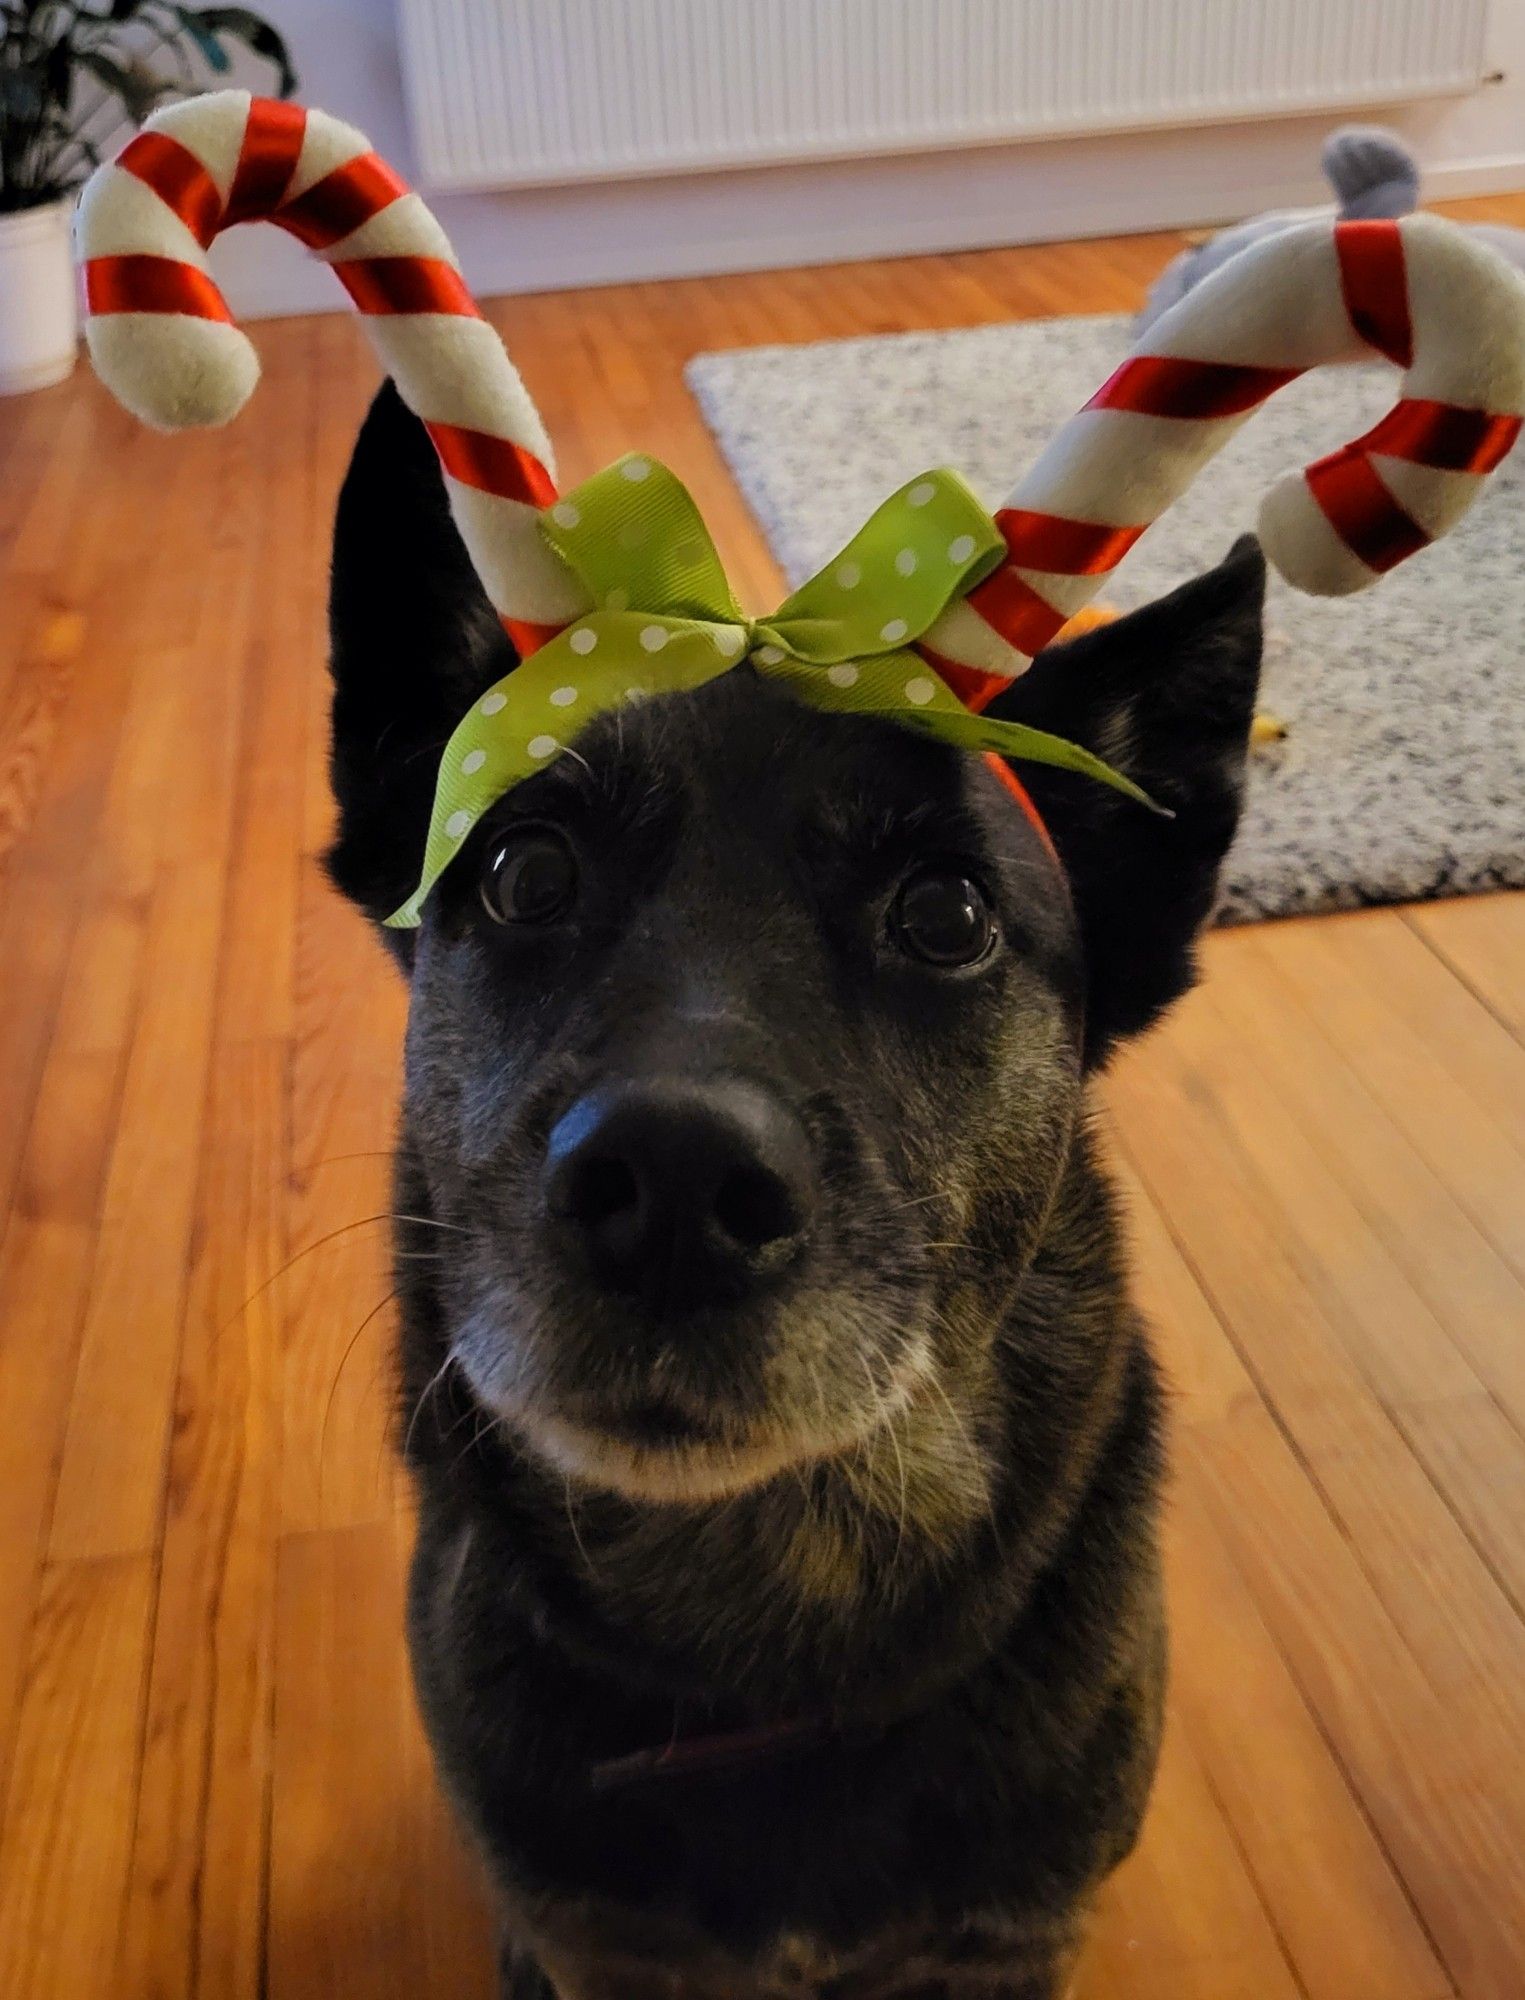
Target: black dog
{"x":786,"y":1611}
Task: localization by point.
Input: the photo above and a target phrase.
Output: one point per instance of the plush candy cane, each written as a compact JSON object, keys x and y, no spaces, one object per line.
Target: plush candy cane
{"x":977,"y":598}
{"x":1439,"y":303}
{"x":163,"y":340}
{"x":1444,"y":307}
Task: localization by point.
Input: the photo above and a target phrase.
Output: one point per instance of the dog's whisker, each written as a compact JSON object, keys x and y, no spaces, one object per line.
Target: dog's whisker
{"x":886,"y":1415}
{"x":899,"y":1207}
{"x":297,"y":1257}
{"x":332,"y":1236}
{"x":486,"y":1423}
{"x":587,"y":1560}
{"x":423,"y":1396}
{"x":981,"y":1252}
{"x":333,"y":1387}
{"x":469,"y":1410}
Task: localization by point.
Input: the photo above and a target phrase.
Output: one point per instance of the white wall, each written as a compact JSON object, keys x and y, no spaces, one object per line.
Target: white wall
{"x":541,"y":238}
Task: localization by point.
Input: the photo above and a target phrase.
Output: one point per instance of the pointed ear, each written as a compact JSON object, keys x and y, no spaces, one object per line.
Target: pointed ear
{"x":1167,"y":696}
{"x":413,"y":642}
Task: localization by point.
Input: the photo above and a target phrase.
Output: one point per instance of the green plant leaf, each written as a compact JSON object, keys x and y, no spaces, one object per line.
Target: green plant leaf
{"x":58,"y":73}
{"x":213,"y":53}
{"x":20,"y":93}
{"x":138,"y":89}
{"x":246,"y":27}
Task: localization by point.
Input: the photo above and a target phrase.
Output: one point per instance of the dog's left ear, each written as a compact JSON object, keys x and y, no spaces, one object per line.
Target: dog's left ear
{"x":1165,"y":695}
{"x":413,"y":642}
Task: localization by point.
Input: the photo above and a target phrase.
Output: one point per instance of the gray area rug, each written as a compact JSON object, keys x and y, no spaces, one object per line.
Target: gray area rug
{"x":1404,"y":773}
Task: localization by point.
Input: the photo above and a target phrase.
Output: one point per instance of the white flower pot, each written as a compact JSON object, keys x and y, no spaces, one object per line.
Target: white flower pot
{"x":39,"y":324}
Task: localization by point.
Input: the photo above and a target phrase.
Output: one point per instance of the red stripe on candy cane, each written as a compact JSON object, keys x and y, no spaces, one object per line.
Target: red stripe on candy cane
{"x":1358,"y":503}
{"x":1011,"y":607}
{"x":137,"y":283}
{"x":526,"y":638}
{"x":267,"y":160}
{"x":1443,"y":436}
{"x":1362,"y":512}
{"x":1162,"y":385}
{"x":1374,"y":280}
{"x":1328,"y":293}
{"x":1020,"y":794}
{"x":973,"y":688}
{"x":406,"y":285}
{"x":492,"y":464}
{"x":486,"y":429}
{"x":178,"y":178}
{"x":976,"y":691}
{"x":1066,"y":548}
{"x":337,"y":205}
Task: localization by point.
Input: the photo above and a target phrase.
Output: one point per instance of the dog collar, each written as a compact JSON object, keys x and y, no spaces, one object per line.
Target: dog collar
{"x":715,"y":1754}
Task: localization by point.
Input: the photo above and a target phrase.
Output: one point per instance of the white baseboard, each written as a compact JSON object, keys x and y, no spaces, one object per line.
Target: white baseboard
{"x":554,"y":238}
{"x":1501,"y":173}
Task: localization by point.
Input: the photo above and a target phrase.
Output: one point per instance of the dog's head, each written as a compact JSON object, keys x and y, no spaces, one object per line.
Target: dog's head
{"x":747,"y":1044}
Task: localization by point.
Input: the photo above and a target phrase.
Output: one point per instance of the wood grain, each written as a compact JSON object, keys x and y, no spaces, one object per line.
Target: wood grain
{"x":212,"y":1782}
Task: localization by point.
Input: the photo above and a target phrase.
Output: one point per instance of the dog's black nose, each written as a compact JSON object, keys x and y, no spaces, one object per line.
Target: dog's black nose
{"x":684,"y":1192}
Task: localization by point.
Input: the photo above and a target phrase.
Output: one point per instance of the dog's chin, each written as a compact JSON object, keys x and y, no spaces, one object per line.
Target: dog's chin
{"x":677,"y":1468}
{"x":669,"y":1472}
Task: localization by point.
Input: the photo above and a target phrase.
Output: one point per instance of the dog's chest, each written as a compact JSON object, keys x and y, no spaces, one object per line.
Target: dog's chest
{"x":985,"y":1953}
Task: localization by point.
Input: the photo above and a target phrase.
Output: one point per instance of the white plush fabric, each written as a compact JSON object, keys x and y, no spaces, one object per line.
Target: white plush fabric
{"x":327,"y":143}
{"x":1404,"y":772}
{"x":1280,"y":304}
{"x":1467,"y":310}
{"x":211,"y":127}
{"x":118,"y":216}
{"x":175,"y":370}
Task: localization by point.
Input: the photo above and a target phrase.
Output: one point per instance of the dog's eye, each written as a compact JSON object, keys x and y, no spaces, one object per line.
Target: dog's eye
{"x":943,"y":917}
{"x":529,"y":878}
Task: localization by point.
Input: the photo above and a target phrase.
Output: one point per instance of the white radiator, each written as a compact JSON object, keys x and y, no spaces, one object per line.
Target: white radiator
{"x":515,"y":92}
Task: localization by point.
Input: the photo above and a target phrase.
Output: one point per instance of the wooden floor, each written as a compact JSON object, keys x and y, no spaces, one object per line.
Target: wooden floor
{"x":213,"y":1785}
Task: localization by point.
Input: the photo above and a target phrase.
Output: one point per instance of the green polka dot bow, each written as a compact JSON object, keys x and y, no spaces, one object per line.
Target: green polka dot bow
{"x":664,"y":619}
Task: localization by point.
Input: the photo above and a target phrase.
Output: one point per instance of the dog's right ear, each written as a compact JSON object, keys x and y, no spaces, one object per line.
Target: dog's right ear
{"x":413,"y":642}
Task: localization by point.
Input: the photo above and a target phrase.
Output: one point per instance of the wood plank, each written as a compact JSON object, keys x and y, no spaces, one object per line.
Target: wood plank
{"x":1181,"y":1919}
{"x":63,"y":1841}
{"x":1367,"y":1488}
{"x":1203,"y":1371}
{"x":1460,"y":1275}
{"x":337,"y":1374}
{"x":97,"y":603}
{"x":283,"y":664}
{"x":111,"y":1481}
{"x":193,"y":1906}
{"x":1482,"y":940}
{"x":1460,"y":1034}
{"x":1329,"y":1885}
{"x":1440,"y":1813}
{"x":1442,"y":1592}
{"x":1471,"y":1148}
{"x":44,"y":1270}
{"x":1415,"y":1372}
{"x":369,"y":1894}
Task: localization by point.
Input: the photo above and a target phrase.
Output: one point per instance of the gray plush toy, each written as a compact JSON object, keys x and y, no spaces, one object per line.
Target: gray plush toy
{"x":1372,"y":172}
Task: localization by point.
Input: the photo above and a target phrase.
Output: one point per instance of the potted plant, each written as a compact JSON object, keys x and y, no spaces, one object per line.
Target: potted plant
{"x":72,"y":73}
